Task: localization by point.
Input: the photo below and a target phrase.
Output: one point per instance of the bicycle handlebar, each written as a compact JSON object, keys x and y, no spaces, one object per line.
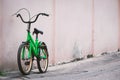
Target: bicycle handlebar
{"x":43,"y":14}
{"x":18,"y":15}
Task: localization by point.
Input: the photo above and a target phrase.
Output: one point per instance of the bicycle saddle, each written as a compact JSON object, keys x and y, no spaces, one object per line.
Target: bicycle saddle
{"x":36,"y":31}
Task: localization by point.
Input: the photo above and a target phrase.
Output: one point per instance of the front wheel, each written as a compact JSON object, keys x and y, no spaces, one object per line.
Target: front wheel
{"x":43,"y":62}
{"x":24,"y":59}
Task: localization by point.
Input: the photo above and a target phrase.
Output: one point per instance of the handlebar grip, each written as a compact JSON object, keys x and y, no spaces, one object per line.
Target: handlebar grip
{"x":44,"y":14}
{"x":18,"y":15}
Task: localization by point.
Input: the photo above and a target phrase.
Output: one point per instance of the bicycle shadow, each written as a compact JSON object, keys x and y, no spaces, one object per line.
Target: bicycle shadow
{"x":16,"y":75}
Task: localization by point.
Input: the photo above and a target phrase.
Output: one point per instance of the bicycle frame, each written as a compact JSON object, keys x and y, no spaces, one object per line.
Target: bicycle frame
{"x":34,"y":47}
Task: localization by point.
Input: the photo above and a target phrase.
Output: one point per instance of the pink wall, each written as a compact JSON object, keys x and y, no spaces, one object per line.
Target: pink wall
{"x":14,"y":31}
{"x":106,"y":25}
{"x":74,"y":29}
{"x":0,"y":31}
{"x":119,"y":24}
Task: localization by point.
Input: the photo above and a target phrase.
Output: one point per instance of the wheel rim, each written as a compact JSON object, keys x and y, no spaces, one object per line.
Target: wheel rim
{"x":26,"y":63}
{"x":43,"y":62}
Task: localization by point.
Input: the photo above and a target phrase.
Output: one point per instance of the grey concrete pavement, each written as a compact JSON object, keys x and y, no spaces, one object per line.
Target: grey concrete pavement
{"x":105,"y":67}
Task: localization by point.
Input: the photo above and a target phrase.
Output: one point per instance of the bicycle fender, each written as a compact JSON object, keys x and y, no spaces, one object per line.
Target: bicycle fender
{"x":43,"y":46}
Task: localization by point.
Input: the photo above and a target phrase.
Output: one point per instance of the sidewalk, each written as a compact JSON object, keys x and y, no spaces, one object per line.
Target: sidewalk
{"x":65,"y":68}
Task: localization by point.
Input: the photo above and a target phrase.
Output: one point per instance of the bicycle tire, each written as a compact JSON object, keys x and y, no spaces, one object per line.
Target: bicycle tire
{"x":20,"y":66}
{"x":41,"y":70}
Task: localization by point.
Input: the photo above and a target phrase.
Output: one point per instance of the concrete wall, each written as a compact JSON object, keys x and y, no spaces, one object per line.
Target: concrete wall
{"x":106,"y":25}
{"x":74,"y":29}
{"x":0,"y":31}
{"x":119,"y":24}
{"x":14,"y":30}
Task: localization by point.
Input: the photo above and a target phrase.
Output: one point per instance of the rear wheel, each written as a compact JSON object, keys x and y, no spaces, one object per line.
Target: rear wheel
{"x":43,"y":62}
{"x":24,"y":63}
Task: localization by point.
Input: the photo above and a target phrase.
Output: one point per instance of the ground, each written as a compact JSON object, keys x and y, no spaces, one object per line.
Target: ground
{"x":104,"y":67}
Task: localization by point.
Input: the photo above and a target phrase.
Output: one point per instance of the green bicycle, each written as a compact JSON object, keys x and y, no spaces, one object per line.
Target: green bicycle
{"x":30,"y":49}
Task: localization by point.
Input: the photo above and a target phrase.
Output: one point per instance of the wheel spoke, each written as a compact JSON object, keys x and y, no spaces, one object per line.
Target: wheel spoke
{"x":24,"y":63}
{"x":43,"y":63}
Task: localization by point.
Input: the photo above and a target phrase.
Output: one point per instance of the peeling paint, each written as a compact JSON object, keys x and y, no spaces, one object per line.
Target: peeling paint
{"x":77,"y":52}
